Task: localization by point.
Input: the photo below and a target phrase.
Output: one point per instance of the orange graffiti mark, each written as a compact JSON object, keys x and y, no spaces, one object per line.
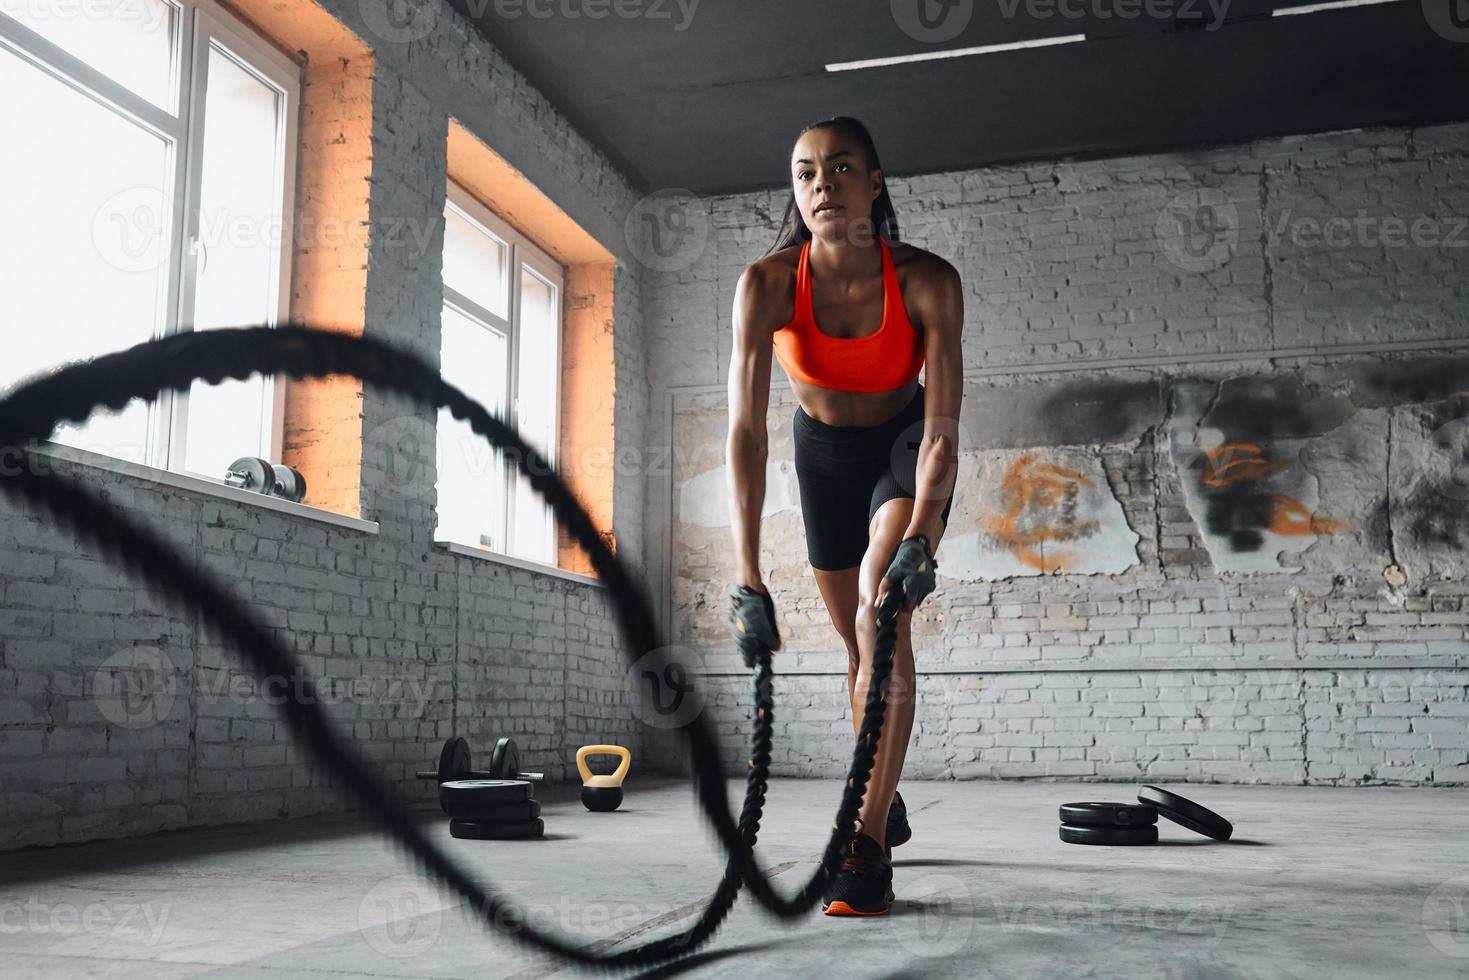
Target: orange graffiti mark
{"x":1041,"y":510}
{"x":1241,"y":462}
{"x":1237,"y":463}
{"x":1292,"y":519}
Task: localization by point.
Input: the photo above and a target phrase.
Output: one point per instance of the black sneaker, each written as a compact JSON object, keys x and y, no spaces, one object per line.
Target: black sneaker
{"x":863,"y":885}
{"x":898,"y":831}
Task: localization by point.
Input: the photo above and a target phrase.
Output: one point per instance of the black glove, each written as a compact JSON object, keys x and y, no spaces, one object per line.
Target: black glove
{"x":752,"y":620}
{"x":912,"y":570}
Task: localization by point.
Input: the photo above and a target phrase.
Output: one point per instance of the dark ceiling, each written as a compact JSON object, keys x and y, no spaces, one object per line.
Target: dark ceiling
{"x":711,"y":102}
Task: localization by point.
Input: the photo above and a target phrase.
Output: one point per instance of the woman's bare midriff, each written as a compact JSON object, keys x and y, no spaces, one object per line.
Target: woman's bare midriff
{"x":865,"y":408}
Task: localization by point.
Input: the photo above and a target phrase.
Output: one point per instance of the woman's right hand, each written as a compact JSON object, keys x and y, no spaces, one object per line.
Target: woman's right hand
{"x":752,"y":620}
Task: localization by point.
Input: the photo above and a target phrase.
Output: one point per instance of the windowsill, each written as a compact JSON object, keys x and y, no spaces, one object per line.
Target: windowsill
{"x":209,"y":488}
{"x":530,"y":566}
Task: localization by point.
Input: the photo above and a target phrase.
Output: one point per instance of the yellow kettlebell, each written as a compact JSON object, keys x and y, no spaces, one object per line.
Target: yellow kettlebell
{"x":602,"y":793}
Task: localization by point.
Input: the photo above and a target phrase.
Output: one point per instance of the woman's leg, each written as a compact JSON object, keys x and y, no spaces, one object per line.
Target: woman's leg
{"x":839,"y":592}
{"x":888,"y":525}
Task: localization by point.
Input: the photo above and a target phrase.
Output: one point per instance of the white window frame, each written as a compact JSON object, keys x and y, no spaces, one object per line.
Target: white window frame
{"x":521,"y":251}
{"x":202,"y":22}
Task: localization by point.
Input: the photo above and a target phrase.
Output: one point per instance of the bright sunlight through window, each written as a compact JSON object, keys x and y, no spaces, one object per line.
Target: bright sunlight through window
{"x":501,"y":343}
{"x":143,"y":200}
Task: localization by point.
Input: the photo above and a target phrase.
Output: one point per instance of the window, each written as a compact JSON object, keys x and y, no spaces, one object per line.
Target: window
{"x":148,"y":148}
{"x":501,"y":346}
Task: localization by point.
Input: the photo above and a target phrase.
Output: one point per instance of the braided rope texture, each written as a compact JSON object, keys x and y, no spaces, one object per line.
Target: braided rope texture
{"x":70,"y":394}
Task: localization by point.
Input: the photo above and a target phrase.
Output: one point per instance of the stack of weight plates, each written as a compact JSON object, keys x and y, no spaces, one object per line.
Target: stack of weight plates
{"x":1137,"y":823}
{"x":1109,"y":823}
{"x":491,"y":809}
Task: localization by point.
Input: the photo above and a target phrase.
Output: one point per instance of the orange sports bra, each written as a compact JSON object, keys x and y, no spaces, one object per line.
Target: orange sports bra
{"x":881,"y":361}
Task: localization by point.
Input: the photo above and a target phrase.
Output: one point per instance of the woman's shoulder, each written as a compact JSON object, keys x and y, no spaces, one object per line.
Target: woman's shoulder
{"x":777,"y":265}
{"x":929,"y":284}
{"x":921,"y":265}
{"x":773,"y":276}
{"x":767,"y":287}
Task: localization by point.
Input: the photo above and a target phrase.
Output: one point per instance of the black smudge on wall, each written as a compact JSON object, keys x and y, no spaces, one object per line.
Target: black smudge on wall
{"x":1070,"y":413}
{"x":1258,"y":409}
{"x":1383,"y":385}
{"x":1436,"y":510}
{"x":1240,"y":516}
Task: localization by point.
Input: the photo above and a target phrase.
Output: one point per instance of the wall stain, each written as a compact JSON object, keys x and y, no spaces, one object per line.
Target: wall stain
{"x":1258,"y":410}
{"x":1095,"y":412}
{"x":1240,"y":511}
{"x":1040,"y":501}
{"x":1436,"y":506}
{"x":1412,"y":382}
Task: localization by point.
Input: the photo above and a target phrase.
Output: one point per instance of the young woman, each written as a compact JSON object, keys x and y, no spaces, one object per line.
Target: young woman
{"x":853,"y":315}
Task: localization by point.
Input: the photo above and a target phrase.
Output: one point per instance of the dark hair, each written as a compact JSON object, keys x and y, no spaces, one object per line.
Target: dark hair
{"x":884,"y":218}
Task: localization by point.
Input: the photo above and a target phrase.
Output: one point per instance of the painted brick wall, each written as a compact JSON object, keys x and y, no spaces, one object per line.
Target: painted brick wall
{"x":1322,"y":276}
{"x":409,"y":642}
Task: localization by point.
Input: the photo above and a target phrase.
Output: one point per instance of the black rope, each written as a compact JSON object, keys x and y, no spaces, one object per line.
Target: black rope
{"x":33,"y":410}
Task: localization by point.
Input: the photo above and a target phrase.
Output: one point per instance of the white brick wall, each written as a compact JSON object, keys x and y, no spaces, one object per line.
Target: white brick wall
{"x":408,"y":644}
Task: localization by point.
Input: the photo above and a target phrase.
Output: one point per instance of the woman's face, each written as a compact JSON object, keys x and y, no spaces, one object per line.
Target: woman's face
{"x":833,"y":187}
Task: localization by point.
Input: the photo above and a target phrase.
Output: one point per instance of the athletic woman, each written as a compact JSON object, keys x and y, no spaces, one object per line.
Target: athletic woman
{"x":852,"y":314}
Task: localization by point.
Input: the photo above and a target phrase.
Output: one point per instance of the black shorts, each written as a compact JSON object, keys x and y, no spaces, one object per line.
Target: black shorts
{"x":846,"y":472}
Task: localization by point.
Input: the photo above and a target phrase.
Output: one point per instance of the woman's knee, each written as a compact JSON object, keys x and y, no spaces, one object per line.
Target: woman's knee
{"x":867,"y":624}
{"x":853,"y":643}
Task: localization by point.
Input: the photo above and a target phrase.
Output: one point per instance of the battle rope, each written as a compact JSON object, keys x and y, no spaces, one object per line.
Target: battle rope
{"x":72,"y":393}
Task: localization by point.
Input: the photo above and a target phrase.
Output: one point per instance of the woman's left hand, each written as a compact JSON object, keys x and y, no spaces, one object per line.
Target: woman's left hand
{"x":911,"y":571}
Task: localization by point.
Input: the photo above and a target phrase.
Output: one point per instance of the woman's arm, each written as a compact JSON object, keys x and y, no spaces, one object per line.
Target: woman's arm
{"x":749,"y":397}
{"x":940,"y":306}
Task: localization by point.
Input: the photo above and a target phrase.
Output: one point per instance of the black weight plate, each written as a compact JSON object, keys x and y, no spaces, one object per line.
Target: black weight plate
{"x":485,"y":792}
{"x":470,"y":830}
{"x":454,"y":760}
{"x":1073,"y":834}
{"x":1108,"y":814}
{"x":492,"y":813}
{"x":1187,"y":813}
{"x":505,"y":760}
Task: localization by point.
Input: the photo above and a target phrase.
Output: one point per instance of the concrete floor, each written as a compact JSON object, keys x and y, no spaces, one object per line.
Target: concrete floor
{"x":1318,"y":882}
